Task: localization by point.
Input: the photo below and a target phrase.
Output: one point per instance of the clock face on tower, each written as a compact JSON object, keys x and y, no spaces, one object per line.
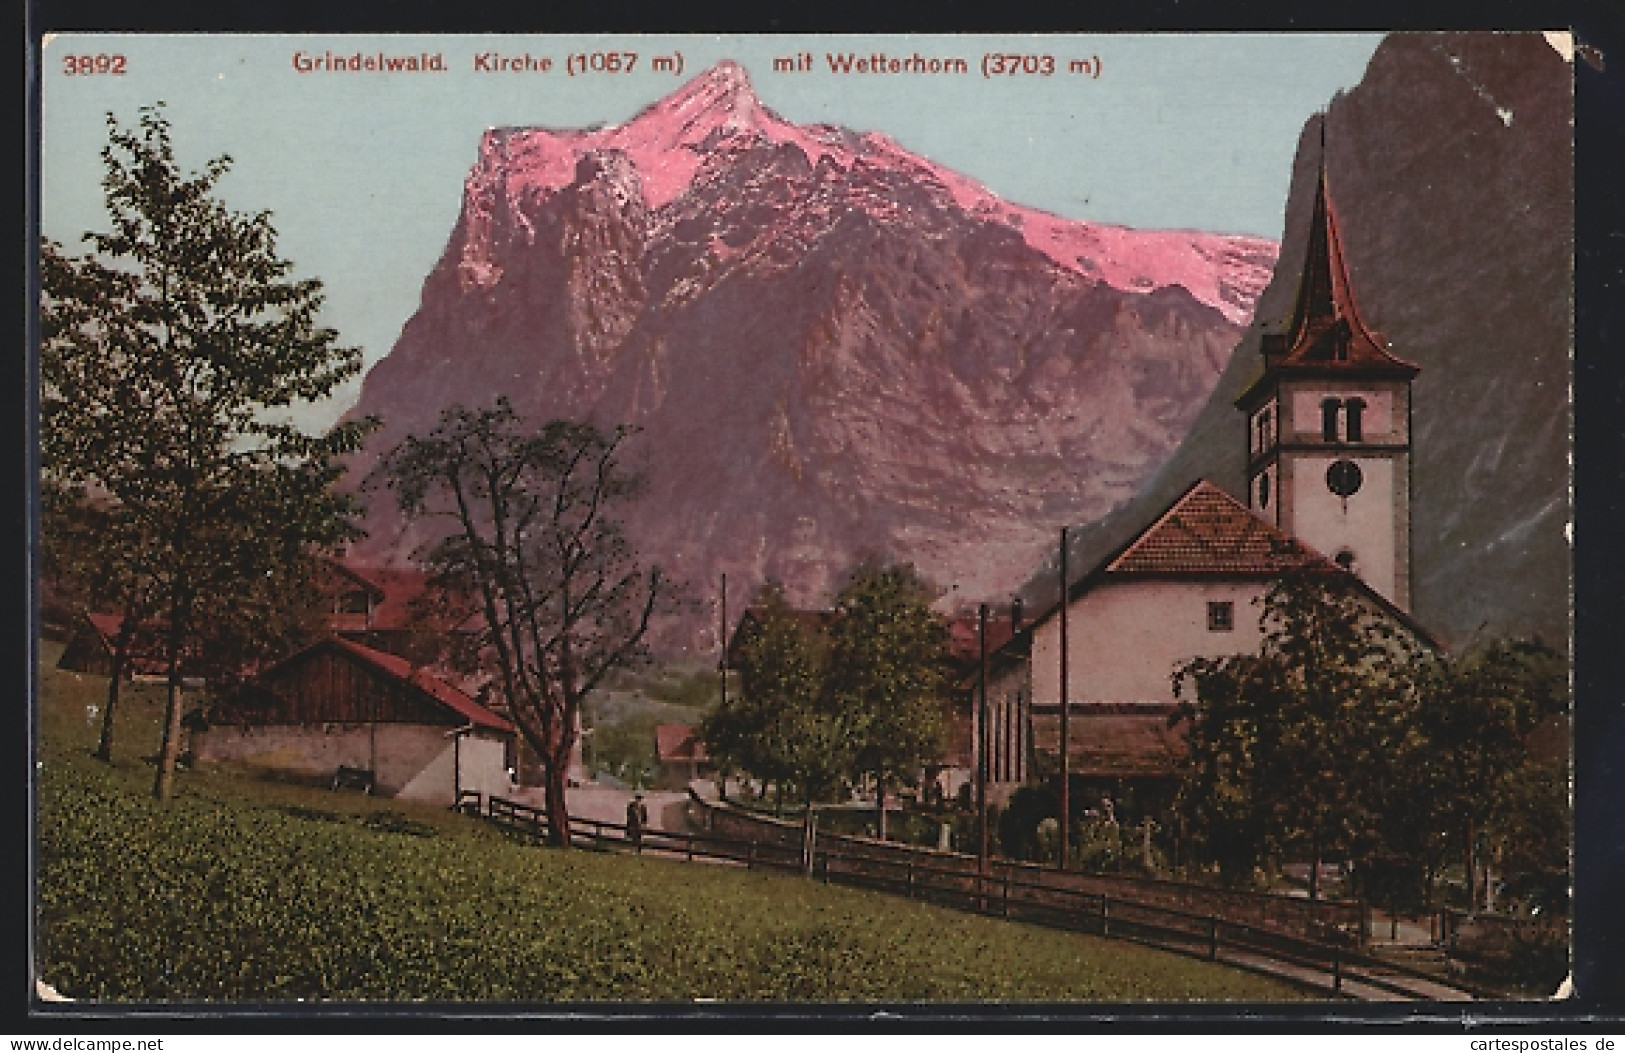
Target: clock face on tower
{"x":1343,"y":478}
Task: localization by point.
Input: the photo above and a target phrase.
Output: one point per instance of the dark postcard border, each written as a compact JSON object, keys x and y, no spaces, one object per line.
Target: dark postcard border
{"x":1599,"y":589}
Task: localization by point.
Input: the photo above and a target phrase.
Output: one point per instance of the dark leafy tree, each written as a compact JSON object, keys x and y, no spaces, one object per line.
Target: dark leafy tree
{"x":1225,"y":794}
{"x":781,"y":726}
{"x":535,"y":542}
{"x":1530,"y":832}
{"x":887,"y":675}
{"x":170,"y":355}
{"x":1476,"y":717}
{"x":1296,"y":747}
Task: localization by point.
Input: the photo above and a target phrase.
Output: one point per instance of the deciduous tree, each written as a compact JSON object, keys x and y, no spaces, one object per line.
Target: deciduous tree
{"x":534,"y":540}
{"x":781,"y":726}
{"x":1477,"y":713}
{"x":170,"y":355}
{"x":1298,"y":746}
{"x":887,"y":674}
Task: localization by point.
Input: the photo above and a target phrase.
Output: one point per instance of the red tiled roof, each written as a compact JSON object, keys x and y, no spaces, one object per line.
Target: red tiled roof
{"x":402,"y":670}
{"x":106,"y":625}
{"x":395,"y":590}
{"x":1209,"y":532}
{"x":678,"y":742}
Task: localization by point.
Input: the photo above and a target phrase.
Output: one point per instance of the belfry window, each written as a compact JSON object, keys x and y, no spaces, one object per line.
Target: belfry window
{"x":1354,"y":408}
{"x":1353,"y":413}
{"x":1328,"y":418}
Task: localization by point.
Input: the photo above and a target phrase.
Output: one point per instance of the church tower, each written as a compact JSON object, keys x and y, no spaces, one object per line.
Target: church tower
{"x":1329,"y":425}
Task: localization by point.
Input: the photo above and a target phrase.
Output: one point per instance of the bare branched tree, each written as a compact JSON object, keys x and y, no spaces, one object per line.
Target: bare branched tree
{"x":536,"y":546}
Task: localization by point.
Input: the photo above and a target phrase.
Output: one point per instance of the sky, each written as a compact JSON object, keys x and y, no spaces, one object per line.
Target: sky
{"x":363,"y":171}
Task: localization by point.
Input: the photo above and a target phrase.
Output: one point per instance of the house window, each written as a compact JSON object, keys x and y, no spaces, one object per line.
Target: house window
{"x":1221,"y":616}
{"x":353,"y":602}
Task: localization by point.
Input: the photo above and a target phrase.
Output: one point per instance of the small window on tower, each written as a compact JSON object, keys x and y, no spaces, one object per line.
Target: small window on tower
{"x":1328,"y":419}
{"x":1344,"y":559}
{"x":1264,"y":491}
{"x":1356,"y":427}
{"x":1221,"y":616}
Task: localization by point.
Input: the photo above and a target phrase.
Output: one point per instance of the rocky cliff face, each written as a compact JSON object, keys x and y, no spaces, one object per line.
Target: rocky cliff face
{"x":833,"y":346}
{"x":1451,"y":165}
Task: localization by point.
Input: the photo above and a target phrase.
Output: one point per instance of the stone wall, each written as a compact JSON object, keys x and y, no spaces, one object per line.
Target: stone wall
{"x":402,"y":756}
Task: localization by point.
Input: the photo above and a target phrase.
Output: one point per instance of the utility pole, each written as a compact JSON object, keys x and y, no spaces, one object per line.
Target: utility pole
{"x":1023,"y":714}
{"x":723,"y":636}
{"x":1066,"y":760}
{"x":981,"y":744}
{"x":722,"y":666}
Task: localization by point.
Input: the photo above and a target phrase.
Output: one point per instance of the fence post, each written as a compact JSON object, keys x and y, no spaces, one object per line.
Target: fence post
{"x":1004,"y":896}
{"x":598,"y":834}
{"x":750,"y":860}
{"x":1337,"y":970}
{"x":689,"y":838}
{"x":823,"y":858}
{"x":909,"y":871}
{"x":1105,"y":914}
{"x":1212,"y":937}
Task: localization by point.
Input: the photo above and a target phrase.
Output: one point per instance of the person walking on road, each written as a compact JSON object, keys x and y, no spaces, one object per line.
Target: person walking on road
{"x":637,"y":817}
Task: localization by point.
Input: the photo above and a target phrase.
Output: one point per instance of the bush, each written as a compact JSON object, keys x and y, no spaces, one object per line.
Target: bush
{"x":1529,"y":955}
{"x":1019,"y":825}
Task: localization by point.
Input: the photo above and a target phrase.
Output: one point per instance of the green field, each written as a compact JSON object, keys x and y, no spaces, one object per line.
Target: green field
{"x":242,"y":888}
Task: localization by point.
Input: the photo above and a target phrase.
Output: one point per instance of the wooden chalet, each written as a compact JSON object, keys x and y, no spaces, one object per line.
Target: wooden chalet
{"x":339,"y":705}
{"x":396,"y":610}
{"x":91,"y":646}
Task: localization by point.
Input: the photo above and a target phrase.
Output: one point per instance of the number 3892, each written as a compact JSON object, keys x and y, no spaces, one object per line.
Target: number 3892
{"x":90,"y":65}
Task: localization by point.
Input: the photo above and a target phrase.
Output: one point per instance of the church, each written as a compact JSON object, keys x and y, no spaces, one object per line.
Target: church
{"x":1328,"y":489}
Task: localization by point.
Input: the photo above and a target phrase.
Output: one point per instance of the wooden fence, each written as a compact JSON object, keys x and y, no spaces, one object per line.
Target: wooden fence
{"x":1011,"y":892}
{"x":1322,"y":920}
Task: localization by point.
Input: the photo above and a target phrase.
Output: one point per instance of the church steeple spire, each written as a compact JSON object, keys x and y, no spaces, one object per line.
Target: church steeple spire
{"x":1327,"y":331}
{"x":1328,"y":434}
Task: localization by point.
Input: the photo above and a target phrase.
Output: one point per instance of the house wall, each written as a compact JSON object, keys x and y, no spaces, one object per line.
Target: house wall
{"x":397,"y":753}
{"x":1008,"y":729}
{"x":1126,"y":638}
{"x":480,"y":766}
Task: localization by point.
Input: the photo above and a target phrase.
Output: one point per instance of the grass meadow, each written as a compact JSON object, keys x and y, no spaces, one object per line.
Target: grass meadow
{"x":244,"y":889}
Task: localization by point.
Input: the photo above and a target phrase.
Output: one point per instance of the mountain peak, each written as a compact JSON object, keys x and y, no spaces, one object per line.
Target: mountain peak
{"x":719,"y":98}
{"x":703,"y":123}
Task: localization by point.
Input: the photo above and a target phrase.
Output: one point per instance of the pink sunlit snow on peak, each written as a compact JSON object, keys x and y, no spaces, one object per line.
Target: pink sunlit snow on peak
{"x":673,"y":142}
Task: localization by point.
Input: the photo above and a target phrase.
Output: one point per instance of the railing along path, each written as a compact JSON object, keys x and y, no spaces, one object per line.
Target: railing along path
{"x":1314,"y":965}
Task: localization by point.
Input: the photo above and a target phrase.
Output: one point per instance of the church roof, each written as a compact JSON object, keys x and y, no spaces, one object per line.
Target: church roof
{"x":1205,"y":532}
{"x":1327,"y":335}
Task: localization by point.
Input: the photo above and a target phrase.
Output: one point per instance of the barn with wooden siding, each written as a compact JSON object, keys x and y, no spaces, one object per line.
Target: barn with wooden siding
{"x":338,"y":704}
